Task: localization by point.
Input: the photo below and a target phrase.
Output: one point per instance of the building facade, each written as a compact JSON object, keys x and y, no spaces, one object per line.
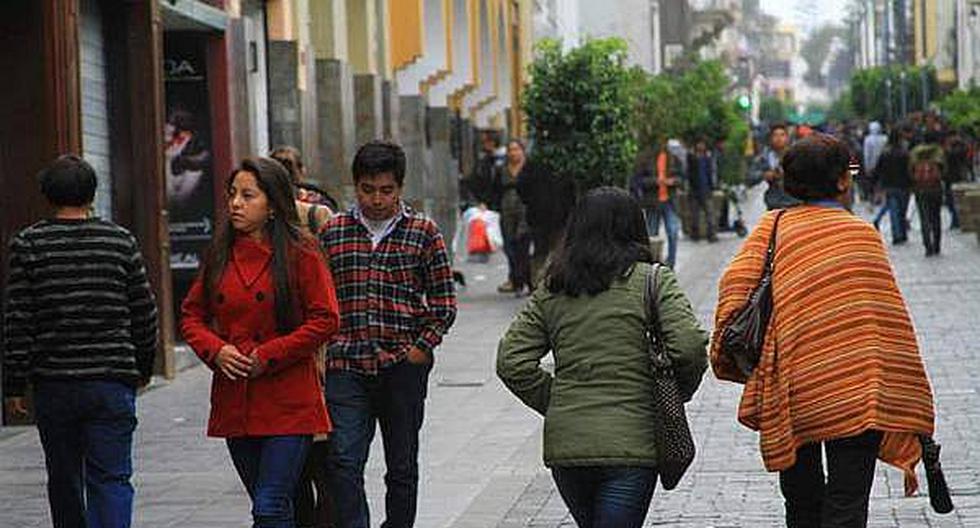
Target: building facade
{"x":164,"y":97}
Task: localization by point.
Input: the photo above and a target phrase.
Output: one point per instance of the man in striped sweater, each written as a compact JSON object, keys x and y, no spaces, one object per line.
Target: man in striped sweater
{"x":81,"y":329}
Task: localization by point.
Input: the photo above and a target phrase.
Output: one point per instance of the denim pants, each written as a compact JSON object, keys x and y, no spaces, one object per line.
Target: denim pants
{"x":897,"y":201}
{"x":606,"y":497}
{"x":665,"y":211}
{"x":950,"y":200}
{"x":702,"y":202}
{"x":269,"y":467}
{"x":842,"y":500}
{"x":930,"y":218}
{"x":86,"y":430}
{"x":395,"y":400}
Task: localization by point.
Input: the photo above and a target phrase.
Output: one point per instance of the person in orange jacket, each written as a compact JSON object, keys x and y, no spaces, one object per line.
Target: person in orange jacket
{"x":262,"y":306}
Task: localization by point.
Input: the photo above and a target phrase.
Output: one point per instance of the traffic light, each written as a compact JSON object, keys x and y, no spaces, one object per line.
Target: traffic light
{"x":744,"y":102}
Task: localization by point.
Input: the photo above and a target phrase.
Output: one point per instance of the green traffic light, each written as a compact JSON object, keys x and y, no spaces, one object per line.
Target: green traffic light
{"x":744,"y":102}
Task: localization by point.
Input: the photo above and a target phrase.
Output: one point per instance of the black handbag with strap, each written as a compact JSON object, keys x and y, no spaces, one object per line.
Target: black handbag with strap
{"x":672,"y":434}
{"x":744,"y":335}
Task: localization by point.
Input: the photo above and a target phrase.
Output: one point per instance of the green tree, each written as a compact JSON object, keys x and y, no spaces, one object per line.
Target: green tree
{"x":962,"y":108}
{"x":773,"y":110}
{"x":815,"y":51}
{"x":876,"y":92}
{"x":579,"y":106}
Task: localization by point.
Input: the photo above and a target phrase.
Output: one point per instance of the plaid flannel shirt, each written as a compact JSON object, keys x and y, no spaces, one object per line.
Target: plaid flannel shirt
{"x":392,"y":297}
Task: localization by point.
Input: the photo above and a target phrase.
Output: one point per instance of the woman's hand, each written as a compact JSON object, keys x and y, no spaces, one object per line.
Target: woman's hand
{"x":233,"y":363}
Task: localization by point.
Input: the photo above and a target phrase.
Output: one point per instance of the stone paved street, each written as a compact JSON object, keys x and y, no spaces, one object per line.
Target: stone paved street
{"x":481,"y":455}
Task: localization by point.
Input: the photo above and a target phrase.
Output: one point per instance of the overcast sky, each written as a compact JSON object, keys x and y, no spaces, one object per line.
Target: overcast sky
{"x":805,"y":14}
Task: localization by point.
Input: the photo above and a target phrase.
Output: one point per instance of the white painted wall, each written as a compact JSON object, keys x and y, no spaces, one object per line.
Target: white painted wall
{"x":631,"y":20}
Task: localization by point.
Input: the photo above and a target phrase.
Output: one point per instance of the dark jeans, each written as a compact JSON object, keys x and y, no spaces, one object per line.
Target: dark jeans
{"x":313,"y":506}
{"x":269,"y":467}
{"x":87,"y":433}
{"x":606,"y":497}
{"x":897,"y":202}
{"x":665,"y":211}
{"x":950,"y":200}
{"x":395,"y":399}
{"x":841,"y":501}
{"x":701,"y":202}
{"x":930,"y":208}
{"x":517,"y":248}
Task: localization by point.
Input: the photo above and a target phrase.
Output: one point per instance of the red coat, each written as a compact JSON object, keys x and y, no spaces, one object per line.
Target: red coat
{"x":286,"y":398}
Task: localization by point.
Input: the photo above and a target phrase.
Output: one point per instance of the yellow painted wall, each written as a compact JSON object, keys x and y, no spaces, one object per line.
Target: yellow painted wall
{"x":407,"y":32}
{"x":362,"y":36}
{"x":280,"y":19}
{"x":926,"y":41}
{"x":329,"y":32}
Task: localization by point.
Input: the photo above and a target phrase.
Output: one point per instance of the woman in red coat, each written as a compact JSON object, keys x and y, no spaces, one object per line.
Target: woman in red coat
{"x":262,"y":306}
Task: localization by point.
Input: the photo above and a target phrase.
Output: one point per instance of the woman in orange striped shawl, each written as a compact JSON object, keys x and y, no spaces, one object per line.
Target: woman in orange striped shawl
{"x":840,"y":366}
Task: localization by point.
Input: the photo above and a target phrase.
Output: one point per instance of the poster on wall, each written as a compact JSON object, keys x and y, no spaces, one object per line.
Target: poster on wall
{"x":188,"y":147}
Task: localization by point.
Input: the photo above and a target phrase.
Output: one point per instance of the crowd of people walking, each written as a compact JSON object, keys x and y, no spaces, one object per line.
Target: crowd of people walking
{"x":321,"y":324}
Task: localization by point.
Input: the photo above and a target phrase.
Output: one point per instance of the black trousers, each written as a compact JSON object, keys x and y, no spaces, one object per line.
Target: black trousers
{"x":840,"y":500}
{"x":930,"y":206}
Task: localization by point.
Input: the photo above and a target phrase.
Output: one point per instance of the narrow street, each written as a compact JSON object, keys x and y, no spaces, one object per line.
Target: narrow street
{"x":481,"y":449}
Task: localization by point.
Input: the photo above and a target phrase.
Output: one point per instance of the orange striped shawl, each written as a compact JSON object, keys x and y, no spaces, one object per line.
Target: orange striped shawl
{"x":840,"y":354}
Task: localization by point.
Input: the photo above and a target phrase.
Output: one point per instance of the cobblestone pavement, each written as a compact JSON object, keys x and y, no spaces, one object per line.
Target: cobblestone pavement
{"x":727,"y":485}
{"x":481,"y":449}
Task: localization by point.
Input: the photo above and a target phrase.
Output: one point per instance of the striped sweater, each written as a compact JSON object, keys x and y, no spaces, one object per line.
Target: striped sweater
{"x":78,"y":305}
{"x":840,"y":356}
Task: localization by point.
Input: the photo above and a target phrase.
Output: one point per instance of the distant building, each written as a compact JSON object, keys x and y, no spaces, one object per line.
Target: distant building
{"x":968,"y":42}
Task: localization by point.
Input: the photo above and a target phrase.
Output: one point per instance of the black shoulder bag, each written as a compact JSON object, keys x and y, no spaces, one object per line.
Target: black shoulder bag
{"x":744,"y":335}
{"x":672,"y":435}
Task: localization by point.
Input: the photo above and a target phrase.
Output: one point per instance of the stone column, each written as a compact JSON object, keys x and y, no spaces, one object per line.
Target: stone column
{"x":390,"y":111}
{"x":411,"y":129}
{"x":368,"y":110}
{"x":335,"y":101}
{"x":444,"y":184}
{"x":285,"y":122}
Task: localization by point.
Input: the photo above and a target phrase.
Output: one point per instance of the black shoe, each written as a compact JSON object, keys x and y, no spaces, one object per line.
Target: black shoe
{"x":899,"y":241}
{"x":877,"y":224}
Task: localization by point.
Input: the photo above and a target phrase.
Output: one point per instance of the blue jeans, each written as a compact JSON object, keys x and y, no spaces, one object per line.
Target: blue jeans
{"x":395,"y":400}
{"x":269,"y":467}
{"x":606,"y":497}
{"x":86,"y":430}
{"x":897,"y":201}
{"x":665,"y":211}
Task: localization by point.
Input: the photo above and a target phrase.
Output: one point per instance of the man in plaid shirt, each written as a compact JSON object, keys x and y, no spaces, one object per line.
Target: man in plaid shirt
{"x":395,"y":287}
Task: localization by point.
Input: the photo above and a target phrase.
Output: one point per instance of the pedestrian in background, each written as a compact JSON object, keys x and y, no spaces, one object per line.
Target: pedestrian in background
{"x":513,"y":218}
{"x":313,"y":505}
{"x":655,"y":185}
{"x":927,"y":164}
{"x":548,"y":198}
{"x":957,"y":169}
{"x":598,"y":406}
{"x":313,"y":212}
{"x":769,"y":165}
{"x":262,"y":306}
{"x":892,"y":174}
{"x":397,"y":300}
{"x":702,"y":178}
{"x":81,"y":327}
{"x":874,"y":145}
{"x":840,"y":370}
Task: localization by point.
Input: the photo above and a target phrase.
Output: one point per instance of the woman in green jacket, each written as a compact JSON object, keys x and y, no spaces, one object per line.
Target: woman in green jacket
{"x":598,"y":405}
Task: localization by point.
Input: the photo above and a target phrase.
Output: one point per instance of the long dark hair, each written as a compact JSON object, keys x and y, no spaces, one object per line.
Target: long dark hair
{"x":282,"y":229}
{"x":604,"y":238}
